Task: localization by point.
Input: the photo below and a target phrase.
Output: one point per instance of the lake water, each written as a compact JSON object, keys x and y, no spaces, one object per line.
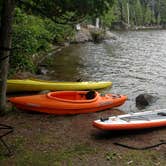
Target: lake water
{"x":135,"y":63}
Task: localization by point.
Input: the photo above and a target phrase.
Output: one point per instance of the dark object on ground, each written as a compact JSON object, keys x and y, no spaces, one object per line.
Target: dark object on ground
{"x":140,"y":148}
{"x":7,"y":130}
{"x":90,"y":94}
{"x":144,"y":100}
{"x":42,"y":70}
{"x":79,"y":80}
{"x":104,"y":119}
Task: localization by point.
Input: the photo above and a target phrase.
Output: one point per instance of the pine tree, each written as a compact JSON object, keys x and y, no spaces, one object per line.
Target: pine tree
{"x":138,"y":13}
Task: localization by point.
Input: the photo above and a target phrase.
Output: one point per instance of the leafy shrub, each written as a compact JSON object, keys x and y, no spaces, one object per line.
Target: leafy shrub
{"x":31,"y":35}
{"x":97,"y":35}
{"x":59,"y":32}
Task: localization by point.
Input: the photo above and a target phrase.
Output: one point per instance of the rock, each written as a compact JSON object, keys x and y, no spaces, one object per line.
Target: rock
{"x":42,"y":70}
{"x":82,"y":36}
{"x":89,"y":26}
{"x":144,"y":100}
{"x":109,"y":35}
{"x":91,"y":33}
{"x":120,"y":25}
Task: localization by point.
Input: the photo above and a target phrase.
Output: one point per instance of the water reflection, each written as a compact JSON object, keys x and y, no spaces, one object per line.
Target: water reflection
{"x":135,"y":63}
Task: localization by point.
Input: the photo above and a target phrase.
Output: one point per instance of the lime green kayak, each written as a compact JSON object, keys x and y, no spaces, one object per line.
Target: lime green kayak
{"x":15,"y":85}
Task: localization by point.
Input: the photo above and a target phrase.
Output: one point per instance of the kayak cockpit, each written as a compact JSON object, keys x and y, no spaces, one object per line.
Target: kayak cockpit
{"x":74,"y":96}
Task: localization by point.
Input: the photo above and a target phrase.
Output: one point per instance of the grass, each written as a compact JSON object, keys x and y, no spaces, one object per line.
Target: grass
{"x":25,"y":156}
{"x":55,"y":157}
{"x":134,"y":157}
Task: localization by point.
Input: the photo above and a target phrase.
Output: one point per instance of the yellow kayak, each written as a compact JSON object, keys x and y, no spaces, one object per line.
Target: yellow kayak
{"x":16,"y":85}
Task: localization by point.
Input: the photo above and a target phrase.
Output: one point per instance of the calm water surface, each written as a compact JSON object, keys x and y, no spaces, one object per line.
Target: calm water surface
{"x":135,"y":63}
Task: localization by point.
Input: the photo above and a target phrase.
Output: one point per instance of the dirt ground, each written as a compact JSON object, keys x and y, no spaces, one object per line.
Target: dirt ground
{"x":48,"y":140}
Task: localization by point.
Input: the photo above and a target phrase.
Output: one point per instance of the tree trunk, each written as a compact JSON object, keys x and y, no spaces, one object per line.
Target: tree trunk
{"x":5,"y":47}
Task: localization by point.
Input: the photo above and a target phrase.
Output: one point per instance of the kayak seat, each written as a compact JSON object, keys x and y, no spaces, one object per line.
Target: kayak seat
{"x":90,"y":95}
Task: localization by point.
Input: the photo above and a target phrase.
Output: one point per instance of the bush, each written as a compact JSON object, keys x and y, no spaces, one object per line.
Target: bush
{"x":31,"y":35}
{"x":59,"y":32}
{"x":97,"y":35}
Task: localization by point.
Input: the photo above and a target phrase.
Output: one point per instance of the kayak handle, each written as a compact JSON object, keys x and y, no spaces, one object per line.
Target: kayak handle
{"x":103,"y":119}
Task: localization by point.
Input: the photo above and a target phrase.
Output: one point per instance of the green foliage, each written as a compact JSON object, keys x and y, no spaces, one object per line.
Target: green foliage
{"x":57,"y":10}
{"x":97,"y":35}
{"x":138,"y":13}
{"x":31,"y":35}
{"x":147,"y":16}
{"x":124,"y":10}
{"x":163,"y":11}
{"x":59,"y":32}
{"x":108,"y":17}
{"x":141,"y":12}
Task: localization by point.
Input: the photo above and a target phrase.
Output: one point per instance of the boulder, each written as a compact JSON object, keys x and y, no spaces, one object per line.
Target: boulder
{"x":42,"y":70}
{"x":144,"y":100}
{"x":110,"y":36}
{"x":82,"y":36}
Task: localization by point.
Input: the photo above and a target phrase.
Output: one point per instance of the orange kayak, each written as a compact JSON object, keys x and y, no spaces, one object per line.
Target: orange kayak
{"x":133,"y":121}
{"x":68,"y":102}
